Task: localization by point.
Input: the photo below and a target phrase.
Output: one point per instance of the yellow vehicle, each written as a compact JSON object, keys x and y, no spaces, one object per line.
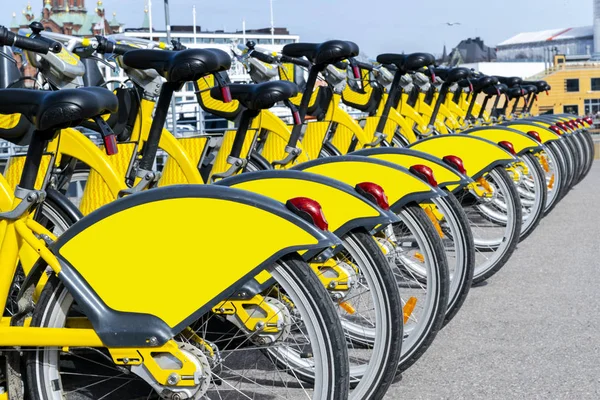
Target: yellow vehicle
{"x":155,"y":333}
{"x":351,"y":216}
{"x":336,"y":133}
{"x":93,"y":266}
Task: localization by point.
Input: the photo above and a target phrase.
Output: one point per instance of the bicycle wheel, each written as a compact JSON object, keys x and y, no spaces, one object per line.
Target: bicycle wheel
{"x":416,"y":253}
{"x":495,"y":220}
{"x":457,"y":239}
{"x":586,"y":155}
{"x":553,"y":174}
{"x":533,"y":192}
{"x":591,"y":148}
{"x":369,"y":312}
{"x":559,"y":152}
{"x":233,"y":362}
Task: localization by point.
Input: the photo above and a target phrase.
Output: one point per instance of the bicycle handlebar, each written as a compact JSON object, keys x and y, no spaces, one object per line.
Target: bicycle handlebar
{"x":364,"y":65}
{"x":294,"y":60}
{"x":262,"y":57}
{"x":37,"y":45}
{"x":106,"y":46}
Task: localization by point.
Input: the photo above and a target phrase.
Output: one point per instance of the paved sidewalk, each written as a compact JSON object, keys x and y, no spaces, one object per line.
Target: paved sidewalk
{"x":533,"y":331}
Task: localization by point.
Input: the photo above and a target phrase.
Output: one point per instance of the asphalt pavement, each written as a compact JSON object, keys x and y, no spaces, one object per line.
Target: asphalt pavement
{"x":533,"y":330}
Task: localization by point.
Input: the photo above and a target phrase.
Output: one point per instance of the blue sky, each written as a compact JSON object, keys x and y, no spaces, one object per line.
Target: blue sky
{"x":377,"y":26}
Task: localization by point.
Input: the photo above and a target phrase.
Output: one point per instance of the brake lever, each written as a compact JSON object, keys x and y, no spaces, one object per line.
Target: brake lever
{"x":103,"y":61}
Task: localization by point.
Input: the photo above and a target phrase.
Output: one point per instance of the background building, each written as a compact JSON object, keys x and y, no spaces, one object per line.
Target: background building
{"x":69,"y":17}
{"x":543,"y":45}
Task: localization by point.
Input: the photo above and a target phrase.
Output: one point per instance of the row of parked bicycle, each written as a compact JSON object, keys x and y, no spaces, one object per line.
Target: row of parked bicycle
{"x":312,"y":255}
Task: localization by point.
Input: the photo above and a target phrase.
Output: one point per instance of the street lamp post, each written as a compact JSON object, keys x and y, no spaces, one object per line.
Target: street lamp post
{"x":272,"y":24}
{"x":168,"y":28}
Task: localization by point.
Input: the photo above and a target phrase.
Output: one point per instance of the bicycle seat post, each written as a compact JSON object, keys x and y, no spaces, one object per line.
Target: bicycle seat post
{"x":158,"y":122}
{"x":33,"y":159}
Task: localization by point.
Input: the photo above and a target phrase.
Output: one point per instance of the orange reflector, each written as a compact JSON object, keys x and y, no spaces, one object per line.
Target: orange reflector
{"x":347,"y":307}
{"x":551,"y":183}
{"x":544,"y":163}
{"x":419,"y":257}
{"x":435,"y":222}
{"x":408,"y":308}
{"x":485,"y":184}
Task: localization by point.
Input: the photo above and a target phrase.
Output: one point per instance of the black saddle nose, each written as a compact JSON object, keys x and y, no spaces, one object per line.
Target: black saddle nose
{"x":179,"y":66}
{"x":259,"y":96}
{"x":60,"y":109}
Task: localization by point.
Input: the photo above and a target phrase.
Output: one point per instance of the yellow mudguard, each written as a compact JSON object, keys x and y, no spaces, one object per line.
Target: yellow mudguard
{"x":400,"y":185}
{"x":184,"y":263}
{"x":277,"y":138}
{"x":444,"y":174}
{"x":6,"y":195}
{"x":73,"y":143}
{"x":411,"y":114}
{"x":478,"y":155}
{"x":541,"y":128}
{"x":342,"y":205}
{"x":520,"y":141}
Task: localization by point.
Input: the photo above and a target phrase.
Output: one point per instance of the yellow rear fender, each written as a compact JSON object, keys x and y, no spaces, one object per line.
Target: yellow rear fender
{"x":6,"y":203}
{"x":344,"y":208}
{"x":445,"y":175}
{"x":405,"y":127}
{"x":450,"y":118}
{"x":342,"y":138}
{"x":277,"y":138}
{"x":6,"y":195}
{"x":188,"y":165}
{"x":411,"y":114}
{"x":546,"y":134}
{"x":520,"y":141}
{"x":401,"y":187}
{"x":478,"y":155}
{"x":75,"y":144}
{"x":148,"y":265}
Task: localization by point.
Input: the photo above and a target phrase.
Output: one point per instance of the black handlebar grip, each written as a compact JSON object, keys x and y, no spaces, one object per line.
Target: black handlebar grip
{"x":121,"y":49}
{"x":36,"y":45}
{"x":363,"y":65}
{"x":298,"y":61}
{"x":263,"y":57}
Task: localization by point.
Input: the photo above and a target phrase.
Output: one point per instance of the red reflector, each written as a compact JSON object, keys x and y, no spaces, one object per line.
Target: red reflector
{"x":226,"y":93}
{"x":589,"y":121}
{"x":110,"y":145}
{"x":297,"y":119}
{"x":309,"y":210}
{"x":555,"y":129}
{"x":423,"y":172}
{"x":562,"y":126}
{"x":508,"y":146}
{"x":374,"y":192}
{"x":432,"y":76}
{"x":535,"y":135}
{"x":455,"y":162}
{"x":356,"y":71}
